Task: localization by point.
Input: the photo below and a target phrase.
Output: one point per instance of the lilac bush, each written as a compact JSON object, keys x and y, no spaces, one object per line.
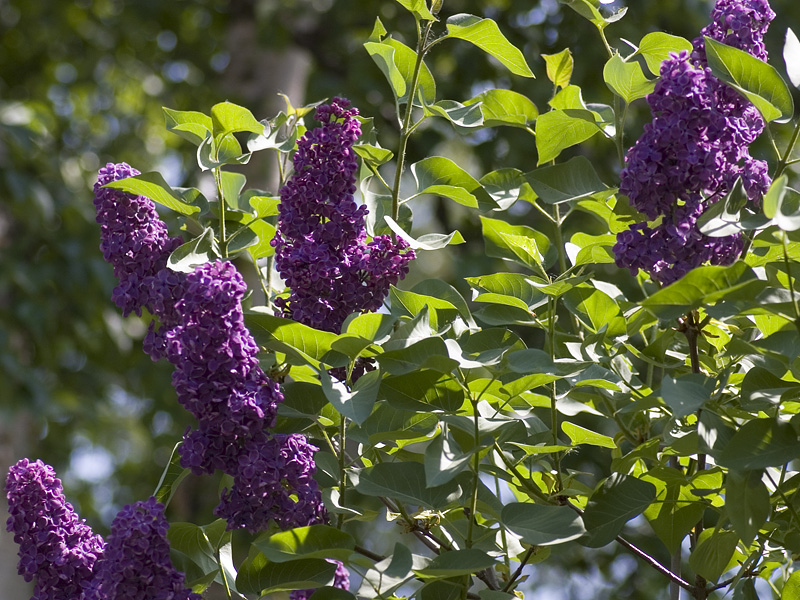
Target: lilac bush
{"x":692,"y":153}
{"x":56,"y":547}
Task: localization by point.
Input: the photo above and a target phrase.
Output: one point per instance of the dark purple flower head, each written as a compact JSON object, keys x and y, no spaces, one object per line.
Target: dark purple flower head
{"x":341,"y":580}
{"x":320,"y":246}
{"x":274,"y":481}
{"x":738,"y":23}
{"x":692,"y":153}
{"x":136,"y":563}
{"x":133,"y":238}
{"x":56,"y":547}
{"x":217,"y":376}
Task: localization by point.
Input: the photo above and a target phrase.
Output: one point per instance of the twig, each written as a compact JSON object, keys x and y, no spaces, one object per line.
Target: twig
{"x":521,"y":566}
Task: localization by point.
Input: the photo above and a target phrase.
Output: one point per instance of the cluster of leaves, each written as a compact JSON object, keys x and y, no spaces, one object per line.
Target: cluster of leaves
{"x":471,"y":431}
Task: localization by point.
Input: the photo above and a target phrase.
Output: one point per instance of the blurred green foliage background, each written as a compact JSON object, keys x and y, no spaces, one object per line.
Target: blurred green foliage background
{"x":82,"y":83}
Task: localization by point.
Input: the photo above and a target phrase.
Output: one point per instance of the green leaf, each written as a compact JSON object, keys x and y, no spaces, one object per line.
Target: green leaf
{"x":559,"y":67}
{"x":232,"y":185}
{"x":503,"y":241}
{"x":462,"y":115}
{"x":429,"y":241}
{"x":357,"y":404}
{"x":441,"y":176}
{"x":589,"y":9}
{"x":621,"y":498}
{"x":676,"y":510}
{"x":444,"y":460}
{"x":171,"y":477}
{"x":505,"y":107}
{"x":457,"y":562}
{"x":304,"y":343}
{"x":713,"y":553}
{"x":265,"y":232}
{"x":791,"y":57}
{"x":258,"y":576}
{"x":579,"y":435}
{"x":387,"y":575}
{"x":444,"y":291}
{"x":193,"y":253}
{"x":755,"y":80}
{"x":418,"y":9}
{"x":592,"y":249}
{"x":227,"y":117}
{"x":560,"y":129}
{"x":152,"y":185}
{"x":567,"y":181}
{"x":216,"y":152}
{"x":190,"y":125}
{"x":746,"y":503}
{"x":626,"y":79}
{"x":373,"y":155}
{"x":699,"y":286}
{"x":656,"y":46}
{"x":759,"y":444}
{"x":396,"y":61}
{"x":441,"y":312}
{"x":405,"y":482}
{"x":505,"y":186}
{"x":686,"y":394}
{"x":423,"y":389}
{"x":485,"y":34}
{"x":387,"y":423}
{"x":383,"y":55}
{"x":314,"y":541}
{"x":791,"y":589}
{"x":601,"y":310}
{"x":541,"y":525}
{"x":370,"y":326}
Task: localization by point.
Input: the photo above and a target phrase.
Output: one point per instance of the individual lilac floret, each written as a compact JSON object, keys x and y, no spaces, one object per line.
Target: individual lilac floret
{"x":341,"y":580}
{"x":57,"y":548}
{"x":274,"y":482}
{"x":321,"y":248}
{"x":217,"y":376}
{"x":692,"y":153}
{"x":136,"y":563}
{"x":133,"y":238}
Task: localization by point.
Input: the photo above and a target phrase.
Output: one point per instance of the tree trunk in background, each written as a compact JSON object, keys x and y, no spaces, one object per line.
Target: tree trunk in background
{"x":14,"y":435}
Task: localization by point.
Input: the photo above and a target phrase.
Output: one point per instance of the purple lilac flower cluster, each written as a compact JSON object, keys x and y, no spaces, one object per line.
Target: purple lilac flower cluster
{"x":56,"y":547}
{"x":217,"y":378}
{"x":70,"y":562}
{"x":692,"y":153}
{"x":133,"y":239}
{"x":136,"y":562}
{"x":320,"y":246}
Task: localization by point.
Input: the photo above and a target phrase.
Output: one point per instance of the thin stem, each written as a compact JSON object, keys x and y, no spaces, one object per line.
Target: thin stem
{"x":784,"y":161}
{"x":530,"y":552}
{"x":562,"y":251}
{"x":646,"y":557}
{"x":789,"y":275}
{"x":223,"y":241}
{"x":224,"y":577}
{"x":476,"y":465}
{"x":406,"y":129}
{"x":342,"y":476}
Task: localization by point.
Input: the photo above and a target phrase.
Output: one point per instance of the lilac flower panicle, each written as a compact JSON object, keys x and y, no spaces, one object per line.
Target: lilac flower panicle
{"x":321,"y":250}
{"x":692,"y":153}
{"x":57,"y":548}
{"x":133,"y":238}
{"x":274,"y":482}
{"x":136,"y":563}
{"x":217,"y":376}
